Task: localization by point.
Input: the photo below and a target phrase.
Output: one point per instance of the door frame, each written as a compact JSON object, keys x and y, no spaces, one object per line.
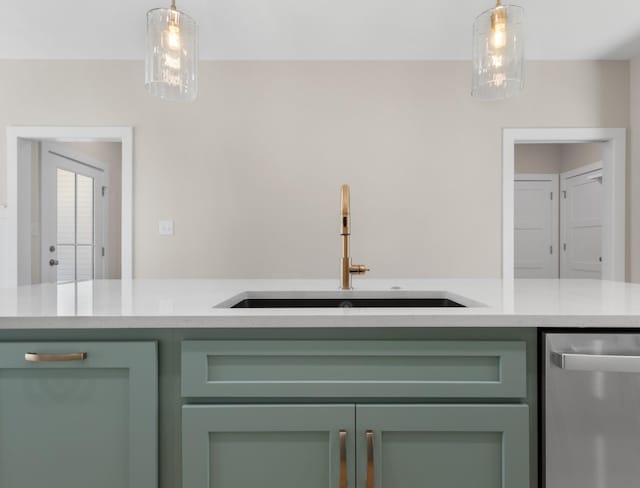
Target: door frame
{"x":555,"y":218}
{"x":614,"y":170}
{"x":121,"y":134}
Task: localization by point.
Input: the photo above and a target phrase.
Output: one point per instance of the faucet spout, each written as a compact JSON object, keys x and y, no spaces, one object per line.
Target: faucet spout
{"x":346,"y":268}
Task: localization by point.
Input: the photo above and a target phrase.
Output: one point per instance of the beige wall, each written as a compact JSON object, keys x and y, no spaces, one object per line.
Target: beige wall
{"x":633,"y":185}
{"x":555,"y":158}
{"x":251,"y":171}
{"x":576,"y":155}
{"x":538,"y":158}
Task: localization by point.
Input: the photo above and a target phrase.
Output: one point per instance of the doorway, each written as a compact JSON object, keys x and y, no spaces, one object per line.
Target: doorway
{"x":612,"y":250}
{"x":558,"y":210}
{"x":74,"y":218}
{"x":69,"y":212}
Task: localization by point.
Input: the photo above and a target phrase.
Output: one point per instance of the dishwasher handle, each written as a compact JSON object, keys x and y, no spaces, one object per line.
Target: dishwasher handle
{"x":596,"y":362}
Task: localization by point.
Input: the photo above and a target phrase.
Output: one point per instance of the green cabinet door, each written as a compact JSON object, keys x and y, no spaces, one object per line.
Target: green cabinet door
{"x":78,"y":415}
{"x":268,"y":446}
{"x":442,"y":446}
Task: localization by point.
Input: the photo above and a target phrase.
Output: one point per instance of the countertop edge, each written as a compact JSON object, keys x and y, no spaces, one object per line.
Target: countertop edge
{"x":317,"y":322}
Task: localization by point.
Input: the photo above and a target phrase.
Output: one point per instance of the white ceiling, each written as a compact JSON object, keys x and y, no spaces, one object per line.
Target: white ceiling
{"x":320,"y":29}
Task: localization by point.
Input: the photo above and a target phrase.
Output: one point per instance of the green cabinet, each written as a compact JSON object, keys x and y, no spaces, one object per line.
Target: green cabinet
{"x":445,"y":414}
{"x":279,"y":446}
{"x":445,"y":446}
{"x":78,"y":414}
{"x":396,"y":446}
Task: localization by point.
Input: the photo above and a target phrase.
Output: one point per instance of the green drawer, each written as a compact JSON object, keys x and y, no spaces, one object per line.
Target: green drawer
{"x":354,"y":369}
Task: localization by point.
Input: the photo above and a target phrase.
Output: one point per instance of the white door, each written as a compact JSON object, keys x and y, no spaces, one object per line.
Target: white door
{"x":73,"y":211}
{"x":581,"y":218}
{"x":536,"y":226}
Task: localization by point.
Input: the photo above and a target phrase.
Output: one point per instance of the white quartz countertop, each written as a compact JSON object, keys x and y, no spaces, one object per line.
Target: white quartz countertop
{"x":192,"y":304}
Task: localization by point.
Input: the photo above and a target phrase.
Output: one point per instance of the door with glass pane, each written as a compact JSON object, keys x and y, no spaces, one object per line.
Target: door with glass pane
{"x":72,"y":217}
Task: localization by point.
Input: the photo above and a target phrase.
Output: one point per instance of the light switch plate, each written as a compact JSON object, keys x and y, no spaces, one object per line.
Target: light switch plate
{"x":165,"y":227}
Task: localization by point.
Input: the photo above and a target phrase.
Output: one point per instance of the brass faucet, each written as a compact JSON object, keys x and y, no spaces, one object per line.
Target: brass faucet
{"x":346,"y":268}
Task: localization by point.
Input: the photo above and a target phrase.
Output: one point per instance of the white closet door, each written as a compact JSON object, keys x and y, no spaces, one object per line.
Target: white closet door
{"x":581,"y":217}
{"x":536,"y":226}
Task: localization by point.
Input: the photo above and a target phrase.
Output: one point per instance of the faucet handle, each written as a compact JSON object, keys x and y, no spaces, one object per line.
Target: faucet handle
{"x":345,"y":211}
{"x":359,"y":269}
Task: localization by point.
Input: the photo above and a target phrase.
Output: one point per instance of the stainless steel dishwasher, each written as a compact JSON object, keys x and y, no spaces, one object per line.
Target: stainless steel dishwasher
{"x":591,"y":417}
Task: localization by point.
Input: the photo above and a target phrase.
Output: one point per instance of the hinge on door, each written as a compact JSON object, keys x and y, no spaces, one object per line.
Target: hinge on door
{"x":103,"y":252}
{"x":564,"y":193}
{"x":564,"y":246}
{"x":551,"y":195}
{"x":550,"y":249}
{"x":104,"y":190}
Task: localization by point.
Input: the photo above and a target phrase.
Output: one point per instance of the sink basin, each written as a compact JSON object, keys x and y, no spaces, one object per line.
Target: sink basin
{"x":347,"y":299}
{"x":344,"y":303}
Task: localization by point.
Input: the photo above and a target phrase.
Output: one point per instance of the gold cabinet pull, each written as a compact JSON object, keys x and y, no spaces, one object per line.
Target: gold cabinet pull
{"x":370,"y":477}
{"x":343,"y":459}
{"x":36,"y":357}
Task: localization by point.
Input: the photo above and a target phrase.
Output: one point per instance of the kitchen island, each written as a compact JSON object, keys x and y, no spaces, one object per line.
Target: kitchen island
{"x":153,"y":383}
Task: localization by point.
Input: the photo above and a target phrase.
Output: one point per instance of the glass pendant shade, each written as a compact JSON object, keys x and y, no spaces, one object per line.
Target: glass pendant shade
{"x":171,"y":64}
{"x":498,"y":53}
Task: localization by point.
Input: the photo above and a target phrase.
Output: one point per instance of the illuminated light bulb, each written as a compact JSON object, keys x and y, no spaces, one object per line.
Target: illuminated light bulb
{"x":499,"y":79}
{"x":172,"y":62}
{"x":498,"y":36}
{"x":496,"y":61}
{"x":171,"y":78}
{"x":172,"y":36}
{"x":498,"y":39}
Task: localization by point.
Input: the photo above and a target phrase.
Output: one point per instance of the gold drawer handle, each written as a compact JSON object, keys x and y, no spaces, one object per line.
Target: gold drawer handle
{"x":35,"y":357}
{"x":343,"y":459}
{"x":370,"y":479}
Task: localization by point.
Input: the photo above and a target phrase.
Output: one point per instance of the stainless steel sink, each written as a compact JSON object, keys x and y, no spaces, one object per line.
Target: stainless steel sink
{"x":347,"y":299}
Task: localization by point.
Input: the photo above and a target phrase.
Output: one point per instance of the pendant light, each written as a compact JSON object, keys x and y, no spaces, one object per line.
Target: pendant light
{"x":498,"y":52}
{"x":171,"y":65}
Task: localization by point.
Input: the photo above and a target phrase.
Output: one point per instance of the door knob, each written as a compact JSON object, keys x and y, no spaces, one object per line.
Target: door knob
{"x":53,"y":262}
